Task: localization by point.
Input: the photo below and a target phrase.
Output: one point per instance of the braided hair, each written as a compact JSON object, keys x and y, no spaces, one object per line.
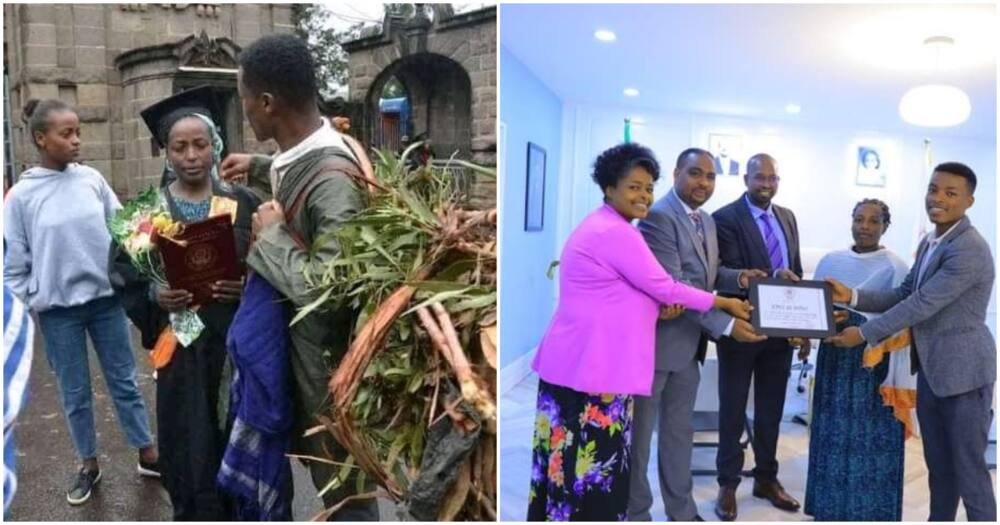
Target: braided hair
{"x":886,"y":216}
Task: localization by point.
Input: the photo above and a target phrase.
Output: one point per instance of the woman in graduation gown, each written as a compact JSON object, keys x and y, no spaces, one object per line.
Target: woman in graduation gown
{"x":192,"y":387}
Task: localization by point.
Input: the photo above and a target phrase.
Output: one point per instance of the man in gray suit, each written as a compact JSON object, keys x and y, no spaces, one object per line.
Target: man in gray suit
{"x":943,"y":300}
{"x":683,"y":239}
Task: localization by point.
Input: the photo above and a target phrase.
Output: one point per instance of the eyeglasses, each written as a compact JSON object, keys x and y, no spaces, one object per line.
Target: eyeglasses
{"x":766,"y":178}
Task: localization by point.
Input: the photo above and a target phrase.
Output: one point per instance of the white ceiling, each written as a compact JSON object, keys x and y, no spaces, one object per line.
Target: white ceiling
{"x":843,"y":64}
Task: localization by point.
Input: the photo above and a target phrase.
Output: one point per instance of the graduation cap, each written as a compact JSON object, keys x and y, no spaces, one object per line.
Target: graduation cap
{"x":160,"y":117}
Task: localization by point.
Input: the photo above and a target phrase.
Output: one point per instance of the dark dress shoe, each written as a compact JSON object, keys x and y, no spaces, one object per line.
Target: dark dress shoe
{"x":775,"y":493}
{"x":725,"y":506}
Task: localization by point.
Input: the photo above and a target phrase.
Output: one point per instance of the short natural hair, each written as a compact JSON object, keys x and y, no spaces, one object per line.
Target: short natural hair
{"x":614,"y":163}
{"x":36,"y":115}
{"x":957,"y":168}
{"x":283,"y":66}
{"x":692,"y":151}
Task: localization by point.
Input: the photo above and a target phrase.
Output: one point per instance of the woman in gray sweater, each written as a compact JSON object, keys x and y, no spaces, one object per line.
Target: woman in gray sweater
{"x":57,"y":247}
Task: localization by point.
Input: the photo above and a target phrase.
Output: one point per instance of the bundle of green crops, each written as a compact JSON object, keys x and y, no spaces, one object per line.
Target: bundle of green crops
{"x":414,"y":399}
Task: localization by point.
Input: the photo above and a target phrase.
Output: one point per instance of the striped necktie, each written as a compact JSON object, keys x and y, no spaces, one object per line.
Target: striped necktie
{"x":699,"y":227}
{"x":771,"y":241}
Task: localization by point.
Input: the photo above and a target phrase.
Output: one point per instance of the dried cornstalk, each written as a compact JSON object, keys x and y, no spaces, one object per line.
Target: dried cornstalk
{"x":488,"y":342}
{"x":442,"y":333}
{"x":322,"y":516}
{"x":485,"y":504}
{"x":347,"y":378}
{"x":416,"y":221}
{"x":489,"y":481}
{"x":456,"y":497}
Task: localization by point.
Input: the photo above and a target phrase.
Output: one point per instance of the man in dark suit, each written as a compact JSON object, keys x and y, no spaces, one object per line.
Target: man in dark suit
{"x":682,"y":236}
{"x":944,"y":301}
{"x":754,"y":233}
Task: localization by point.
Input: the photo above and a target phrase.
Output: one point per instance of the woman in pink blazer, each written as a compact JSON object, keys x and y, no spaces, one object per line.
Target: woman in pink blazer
{"x":598,"y":349}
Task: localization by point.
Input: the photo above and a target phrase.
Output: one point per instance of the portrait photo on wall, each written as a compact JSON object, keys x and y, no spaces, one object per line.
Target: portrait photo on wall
{"x":871,"y":172}
{"x":728,"y":152}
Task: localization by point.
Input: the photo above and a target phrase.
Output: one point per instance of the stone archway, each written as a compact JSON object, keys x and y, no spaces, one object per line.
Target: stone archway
{"x":447,"y":63}
{"x":439,"y":92}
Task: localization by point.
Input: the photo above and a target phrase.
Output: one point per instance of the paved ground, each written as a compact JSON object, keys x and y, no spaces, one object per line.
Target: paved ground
{"x":46,"y":461}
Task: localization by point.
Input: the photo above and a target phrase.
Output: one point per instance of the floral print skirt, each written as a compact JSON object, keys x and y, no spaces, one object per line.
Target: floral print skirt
{"x":580,"y":456}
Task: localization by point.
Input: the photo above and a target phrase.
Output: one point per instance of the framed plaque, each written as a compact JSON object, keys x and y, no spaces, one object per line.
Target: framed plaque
{"x":783,"y":308}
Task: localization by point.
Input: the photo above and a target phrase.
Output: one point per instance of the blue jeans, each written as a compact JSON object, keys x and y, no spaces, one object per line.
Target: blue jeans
{"x":64,"y":330}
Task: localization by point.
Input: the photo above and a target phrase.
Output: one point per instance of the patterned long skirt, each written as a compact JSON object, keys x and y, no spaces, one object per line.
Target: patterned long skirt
{"x":580,"y":456}
{"x":855,"y":443}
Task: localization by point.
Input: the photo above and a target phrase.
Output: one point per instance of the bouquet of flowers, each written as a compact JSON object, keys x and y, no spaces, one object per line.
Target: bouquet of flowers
{"x":138,"y":228}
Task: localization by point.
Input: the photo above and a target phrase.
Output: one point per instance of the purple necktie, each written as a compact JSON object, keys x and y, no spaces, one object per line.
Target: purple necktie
{"x":771,"y":241}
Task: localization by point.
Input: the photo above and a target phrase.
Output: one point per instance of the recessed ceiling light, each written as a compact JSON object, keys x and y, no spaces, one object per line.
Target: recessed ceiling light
{"x":605,"y":35}
{"x":631,"y":92}
{"x":793,"y":109}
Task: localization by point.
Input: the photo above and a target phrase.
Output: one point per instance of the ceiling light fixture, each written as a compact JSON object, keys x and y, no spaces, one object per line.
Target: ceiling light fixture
{"x":605,"y":35}
{"x":793,"y":109}
{"x":631,"y":92}
{"x":936,"y":105}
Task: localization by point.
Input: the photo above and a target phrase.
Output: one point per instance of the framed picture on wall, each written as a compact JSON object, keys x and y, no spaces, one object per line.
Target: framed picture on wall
{"x":534,"y":195}
{"x":728,"y":151}
{"x":871,"y":172}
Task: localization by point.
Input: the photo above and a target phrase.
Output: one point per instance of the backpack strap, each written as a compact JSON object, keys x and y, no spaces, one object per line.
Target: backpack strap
{"x":330,"y":168}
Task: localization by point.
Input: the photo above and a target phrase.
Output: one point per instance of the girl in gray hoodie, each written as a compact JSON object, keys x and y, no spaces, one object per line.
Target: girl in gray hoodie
{"x":58,"y":244}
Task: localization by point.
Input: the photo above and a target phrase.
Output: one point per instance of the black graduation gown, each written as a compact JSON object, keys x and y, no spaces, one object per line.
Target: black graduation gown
{"x":192,"y":390}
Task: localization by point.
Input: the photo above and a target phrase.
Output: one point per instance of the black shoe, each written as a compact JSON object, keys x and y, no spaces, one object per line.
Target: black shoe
{"x":83,"y":485}
{"x":145,"y":468}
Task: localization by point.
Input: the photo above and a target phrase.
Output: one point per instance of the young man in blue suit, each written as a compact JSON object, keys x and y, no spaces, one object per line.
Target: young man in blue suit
{"x":943,"y":301}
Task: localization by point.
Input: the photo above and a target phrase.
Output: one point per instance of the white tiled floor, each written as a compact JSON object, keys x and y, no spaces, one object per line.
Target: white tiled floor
{"x":517,"y":412}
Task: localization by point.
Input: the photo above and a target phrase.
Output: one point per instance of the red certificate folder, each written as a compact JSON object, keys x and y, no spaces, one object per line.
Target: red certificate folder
{"x":203,"y":253}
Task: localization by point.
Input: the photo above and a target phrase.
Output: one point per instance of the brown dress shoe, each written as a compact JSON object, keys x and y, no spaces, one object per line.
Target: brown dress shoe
{"x":725,"y":506}
{"x":775,"y":493}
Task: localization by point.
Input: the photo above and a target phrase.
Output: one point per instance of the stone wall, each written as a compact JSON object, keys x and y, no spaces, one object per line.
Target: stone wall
{"x":69,"y":51}
{"x":453,"y":56}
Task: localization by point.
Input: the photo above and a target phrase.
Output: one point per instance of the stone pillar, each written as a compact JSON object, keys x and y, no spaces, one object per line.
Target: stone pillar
{"x":143,"y":84}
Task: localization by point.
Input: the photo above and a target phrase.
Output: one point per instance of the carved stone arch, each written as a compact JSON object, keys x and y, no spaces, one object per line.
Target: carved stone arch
{"x":202,"y":51}
{"x":199,"y":51}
